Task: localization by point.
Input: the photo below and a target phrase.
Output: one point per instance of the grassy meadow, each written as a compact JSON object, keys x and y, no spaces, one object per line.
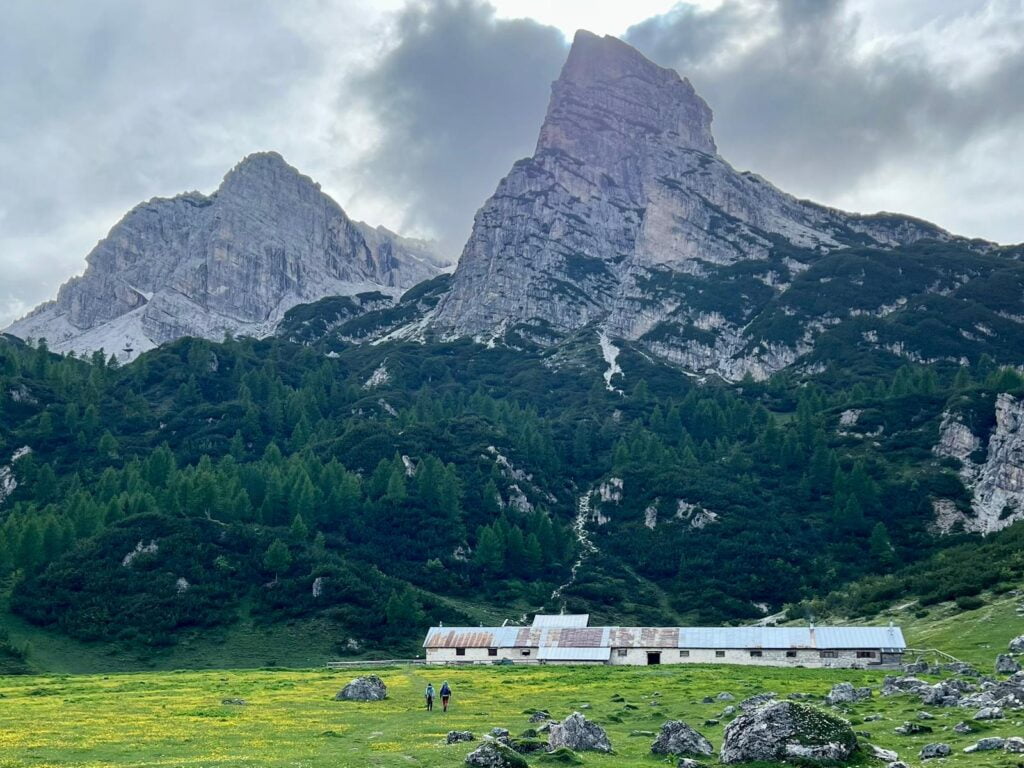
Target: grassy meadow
{"x":177,"y":718}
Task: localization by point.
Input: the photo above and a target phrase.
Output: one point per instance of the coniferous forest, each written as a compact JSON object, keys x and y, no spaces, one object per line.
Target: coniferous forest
{"x":383,"y":487}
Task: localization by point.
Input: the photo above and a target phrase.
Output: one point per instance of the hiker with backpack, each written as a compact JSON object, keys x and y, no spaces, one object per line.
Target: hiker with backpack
{"x":446,"y":693}
{"x":429,"y":696}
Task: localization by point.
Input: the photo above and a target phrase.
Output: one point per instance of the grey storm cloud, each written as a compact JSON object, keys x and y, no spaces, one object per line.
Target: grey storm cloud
{"x":459,"y":97}
{"x":798,"y":100}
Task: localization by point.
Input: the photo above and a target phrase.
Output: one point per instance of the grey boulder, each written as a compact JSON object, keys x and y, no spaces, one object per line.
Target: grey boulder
{"x":456,"y":737}
{"x":931,"y":751}
{"x":845,"y":693}
{"x":578,"y":734}
{"x":678,"y":738}
{"x":989,"y":713}
{"x":368,"y":688}
{"x":784,"y":730}
{"x":879,"y":753}
{"x":1014,"y":744}
{"x":493,"y":754}
{"x":1006,"y":664}
{"x":986,"y":745}
{"x":1017,"y":644}
{"x":759,"y":700}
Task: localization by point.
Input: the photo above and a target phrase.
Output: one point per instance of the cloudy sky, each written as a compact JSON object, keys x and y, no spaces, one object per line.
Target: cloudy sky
{"x":408,"y":112}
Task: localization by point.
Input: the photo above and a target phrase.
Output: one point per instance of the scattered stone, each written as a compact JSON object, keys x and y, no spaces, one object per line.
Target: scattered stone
{"x":925,"y":716}
{"x":368,"y":688}
{"x":678,"y":738}
{"x":897,"y":764}
{"x":944,"y":694}
{"x":725,"y":696}
{"x":689,"y":762}
{"x":234,"y":702}
{"x":910,"y":729}
{"x":1017,"y":644}
{"x":895,"y":685}
{"x":882,"y":754}
{"x":961,"y":668}
{"x":1006,"y":664}
{"x":873,"y":718}
{"x":540,"y":716}
{"x":931,"y":751}
{"x":1014,"y":744}
{"x":989,"y":713}
{"x":986,"y":745}
{"x":578,"y":734}
{"x":707,"y":700}
{"x":963,"y":727}
{"x":844,"y":693}
{"x":787,"y":729}
{"x":919,"y":667}
{"x":728,"y":711}
{"x":457,"y":737}
{"x":494,"y":754}
{"x":754,"y":702}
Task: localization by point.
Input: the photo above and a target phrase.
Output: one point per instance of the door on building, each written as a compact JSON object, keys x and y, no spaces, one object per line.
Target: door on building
{"x":653,"y":657}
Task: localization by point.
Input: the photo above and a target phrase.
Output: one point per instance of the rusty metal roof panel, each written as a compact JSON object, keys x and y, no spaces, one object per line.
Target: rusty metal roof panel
{"x":589,"y":637}
{"x":471,"y":637}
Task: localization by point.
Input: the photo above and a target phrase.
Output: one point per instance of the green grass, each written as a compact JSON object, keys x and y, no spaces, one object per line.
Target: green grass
{"x":177,"y":719}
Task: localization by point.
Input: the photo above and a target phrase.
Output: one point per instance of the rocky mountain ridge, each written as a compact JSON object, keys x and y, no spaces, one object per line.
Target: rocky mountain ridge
{"x":627,"y":221}
{"x":233,"y":262}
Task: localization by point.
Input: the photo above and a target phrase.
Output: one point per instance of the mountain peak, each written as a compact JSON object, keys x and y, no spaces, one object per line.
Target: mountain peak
{"x":609,"y":96}
{"x":265,"y":167}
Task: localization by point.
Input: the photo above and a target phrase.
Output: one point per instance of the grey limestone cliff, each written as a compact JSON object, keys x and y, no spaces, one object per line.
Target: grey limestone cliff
{"x":625,"y":211}
{"x":233,"y":261}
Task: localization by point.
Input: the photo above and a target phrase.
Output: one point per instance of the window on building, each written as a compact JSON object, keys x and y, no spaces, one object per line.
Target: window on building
{"x":622,"y":652}
{"x":829,"y":655}
{"x":460,"y":651}
{"x":720,"y":654}
{"x":683,"y":654}
{"x":492,"y":651}
{"x":756,"y":654}
{"x":790,"y":654}
{"x":525,"y":651}
{"x":865,"y":654}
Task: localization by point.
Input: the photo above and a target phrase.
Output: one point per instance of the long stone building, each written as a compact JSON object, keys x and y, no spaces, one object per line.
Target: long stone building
{"x":569,"y":639}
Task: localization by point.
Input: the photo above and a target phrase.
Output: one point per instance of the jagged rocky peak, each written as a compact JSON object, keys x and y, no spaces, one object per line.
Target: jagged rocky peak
{"x":234,"y":261}
{"x":609,"y":96}
{"x":626,"y":222}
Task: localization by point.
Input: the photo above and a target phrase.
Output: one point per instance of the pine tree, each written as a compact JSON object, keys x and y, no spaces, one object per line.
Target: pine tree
{"x":298,"y":532}
{"x":277,"y":559}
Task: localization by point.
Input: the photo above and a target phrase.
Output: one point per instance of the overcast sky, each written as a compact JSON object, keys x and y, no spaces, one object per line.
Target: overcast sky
{"x":409,"y":113}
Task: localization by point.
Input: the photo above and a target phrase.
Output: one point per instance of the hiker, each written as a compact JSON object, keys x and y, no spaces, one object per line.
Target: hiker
{"x":446,"y":693}
{"x":429,"y":694}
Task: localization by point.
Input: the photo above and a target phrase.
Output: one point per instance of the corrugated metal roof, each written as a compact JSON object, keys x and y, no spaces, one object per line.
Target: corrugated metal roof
{"x":838,"y":638}
{"x":471,"y":637}
{"x":542,"y":620}
{"x":574,"y":654}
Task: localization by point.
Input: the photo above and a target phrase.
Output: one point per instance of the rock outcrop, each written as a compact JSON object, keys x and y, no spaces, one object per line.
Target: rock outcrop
{"x":369,"y":688}
{"x":230,"y":262}
{"x":678,"y":738}
{"x":788,"y":730}
{"x":578,"y":734}
{"x":625,"y":213}
{"x":845,"y":693}
{"x":492,"y":754}
{"x":991,"y":467}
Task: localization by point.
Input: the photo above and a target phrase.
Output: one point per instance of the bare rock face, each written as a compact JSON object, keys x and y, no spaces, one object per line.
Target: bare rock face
{"x":678,"y":738}
{"x":996,"y":478}
{"x":845,"y":693}
{"x":233,"y":261}
{"x":578,"y":734}
{"x":622,"y":216}
{"x":369,"y":688}
{"x":786,"y":730}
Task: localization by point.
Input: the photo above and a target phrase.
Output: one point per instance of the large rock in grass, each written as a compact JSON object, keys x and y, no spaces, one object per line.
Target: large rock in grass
{"x":788,"y":730}
{"x":845,"y":693}
{"x":455,"y":737}
{"x":932,"y":751}
{"x":1017,"y":644}
{"x":578,"y":734}
{"x":1006,"y":664}
{"x":678,"y":738}
{"x":492,"y":754}
{"x":986,"y":745}
{"x":369,"y":688}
